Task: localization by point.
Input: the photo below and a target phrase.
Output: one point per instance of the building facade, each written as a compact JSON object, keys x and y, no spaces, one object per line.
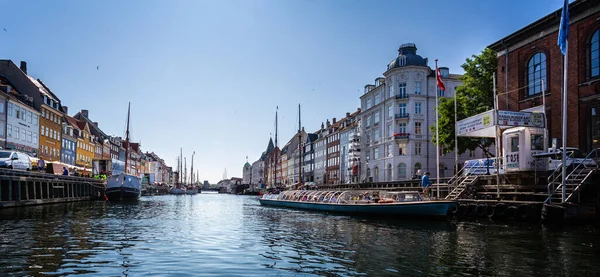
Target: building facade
{"x":50,"y":123}
{"x":396,"y":113}
{"x":333,"y":153}
{"x":258,"y":173}
{"x":22,"y":127}
{"x":348,"y":148}
{"x":530,"y":64}
{"x":320,"y":159}
{"x":68,"y":150}
{"x":308,"y":162}
{"x":247,"y":174}
{"x":85,"y":146}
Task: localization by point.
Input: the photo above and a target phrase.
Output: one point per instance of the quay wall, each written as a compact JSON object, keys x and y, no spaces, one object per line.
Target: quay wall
{"x":23,"y":188}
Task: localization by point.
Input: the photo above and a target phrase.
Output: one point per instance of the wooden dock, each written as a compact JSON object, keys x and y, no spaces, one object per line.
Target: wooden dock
{"x":23,"y":188}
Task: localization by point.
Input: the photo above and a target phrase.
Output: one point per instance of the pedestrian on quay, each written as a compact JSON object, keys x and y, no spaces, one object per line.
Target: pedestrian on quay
{"x":65,"y":171}
{"x":41,"y":164}
{"x":425,"y":183}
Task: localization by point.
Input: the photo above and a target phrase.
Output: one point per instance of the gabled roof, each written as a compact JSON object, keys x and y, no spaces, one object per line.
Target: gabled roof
{"x":95,"y":130}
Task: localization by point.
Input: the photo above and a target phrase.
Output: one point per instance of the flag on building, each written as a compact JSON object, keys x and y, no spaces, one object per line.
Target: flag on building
{"x":563,"y":31}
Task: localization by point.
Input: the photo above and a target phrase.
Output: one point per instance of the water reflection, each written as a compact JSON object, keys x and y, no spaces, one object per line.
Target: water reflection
{"x":225,"y":235}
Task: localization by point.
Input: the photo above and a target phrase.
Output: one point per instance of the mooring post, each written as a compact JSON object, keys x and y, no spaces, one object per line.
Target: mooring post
{"x":10,"y":184}
{"x":34,"y":190}
{"x":19,"y":191}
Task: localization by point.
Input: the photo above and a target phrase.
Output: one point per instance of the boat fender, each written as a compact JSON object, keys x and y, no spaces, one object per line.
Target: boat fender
{"x":454,"y":209}
{"x":472,"y":209}
{"x":463,"y":209}
{"x":481,"y":210}
{"x":499,"y":210}
{"x":511,"y":212}
{"x":524,"y":211}
{"x":490,"y":210}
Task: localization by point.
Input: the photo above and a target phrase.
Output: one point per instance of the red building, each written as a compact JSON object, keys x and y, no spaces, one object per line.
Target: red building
{"x":530,"y":62}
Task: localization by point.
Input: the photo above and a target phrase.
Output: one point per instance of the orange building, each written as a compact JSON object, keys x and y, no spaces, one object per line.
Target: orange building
{"x":51,"y":116}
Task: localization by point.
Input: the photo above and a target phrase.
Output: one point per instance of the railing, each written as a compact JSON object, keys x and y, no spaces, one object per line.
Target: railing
{"x":401,"y":136}
{"x":576,"y":172}
{"x":401,"y":115}
{"x":402,"y":96}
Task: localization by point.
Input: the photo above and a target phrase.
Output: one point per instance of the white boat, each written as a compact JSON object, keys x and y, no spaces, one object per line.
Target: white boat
{"x":120,"y":185}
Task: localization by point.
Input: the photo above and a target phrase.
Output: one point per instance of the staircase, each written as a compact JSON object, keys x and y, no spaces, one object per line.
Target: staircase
{"x":462,"y":186}
{"x":576,"y":178}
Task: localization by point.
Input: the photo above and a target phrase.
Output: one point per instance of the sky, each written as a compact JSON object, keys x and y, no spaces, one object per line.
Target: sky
{"x":207,"y":76}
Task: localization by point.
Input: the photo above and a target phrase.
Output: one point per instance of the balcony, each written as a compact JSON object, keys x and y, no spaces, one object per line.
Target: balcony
{"x":401,"y":116}
{"x":402,"y":96}
{"x":401,"y":136}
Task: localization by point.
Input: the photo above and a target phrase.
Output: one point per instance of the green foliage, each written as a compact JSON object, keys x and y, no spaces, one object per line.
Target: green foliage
{"x":475,"y":95}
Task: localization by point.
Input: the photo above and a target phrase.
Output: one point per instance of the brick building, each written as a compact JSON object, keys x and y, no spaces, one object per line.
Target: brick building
{"x":530,"y":62}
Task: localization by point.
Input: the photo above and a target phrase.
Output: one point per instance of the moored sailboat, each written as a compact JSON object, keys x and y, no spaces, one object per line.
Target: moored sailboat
{"x":121,"y":185}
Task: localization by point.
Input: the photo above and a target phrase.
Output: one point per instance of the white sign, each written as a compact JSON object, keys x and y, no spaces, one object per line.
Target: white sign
{"x":474,"y":123}
{"x":521,"y":119}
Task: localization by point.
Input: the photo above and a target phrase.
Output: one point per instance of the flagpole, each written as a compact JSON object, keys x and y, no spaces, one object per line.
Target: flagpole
{"x":563,"y":43}
{"x":455,"y":135}
{"x":437,"y":134}
{"x":564,"y":125}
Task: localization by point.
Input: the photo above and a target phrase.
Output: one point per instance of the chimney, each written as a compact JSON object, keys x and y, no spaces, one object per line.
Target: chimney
{"x":322,"y":126}
{"x":358,"y":110}
{"x":85,"y":113}
{"x":334,"y":120}
{"x":65,"y":110}
{"x":95,"y":124}
{"x":24,"y":67}
{"x":347,"y":114}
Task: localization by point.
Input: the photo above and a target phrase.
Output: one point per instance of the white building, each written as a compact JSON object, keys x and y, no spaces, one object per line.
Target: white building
{"x":247,"y":174}
{"x":396,"y":114}
{"x":258,"y":172}
{"x":22,"y":127}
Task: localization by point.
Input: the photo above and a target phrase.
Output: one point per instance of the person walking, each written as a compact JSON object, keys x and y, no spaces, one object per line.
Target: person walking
{"x":425,"y":183}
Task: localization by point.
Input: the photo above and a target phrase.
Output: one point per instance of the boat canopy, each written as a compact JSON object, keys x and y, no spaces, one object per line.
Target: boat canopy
{"x":345,"y":196}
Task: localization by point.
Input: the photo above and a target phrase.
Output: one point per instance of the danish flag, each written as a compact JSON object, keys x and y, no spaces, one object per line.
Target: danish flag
{"x":440,"y":84}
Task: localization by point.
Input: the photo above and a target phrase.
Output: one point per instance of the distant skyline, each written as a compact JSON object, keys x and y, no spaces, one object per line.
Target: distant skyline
{"x":207,"y":75}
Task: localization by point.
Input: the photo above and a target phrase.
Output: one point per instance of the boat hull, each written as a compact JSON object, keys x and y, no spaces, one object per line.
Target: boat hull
{"x":123,"y":187}
{"x":405,"y":209}
{"x":177,"y":191}
{"x":123,"y":193}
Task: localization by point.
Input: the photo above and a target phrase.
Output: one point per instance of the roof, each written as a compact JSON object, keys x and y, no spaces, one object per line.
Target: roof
{"x":43,"y":89}
{"x":575,"y":8}
{"x":96,"y":131}
{"x":407,"y":56}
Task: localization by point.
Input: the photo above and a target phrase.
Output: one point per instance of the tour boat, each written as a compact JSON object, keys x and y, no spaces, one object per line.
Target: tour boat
{"x":370,"y":202}
{"x":121,"y":185}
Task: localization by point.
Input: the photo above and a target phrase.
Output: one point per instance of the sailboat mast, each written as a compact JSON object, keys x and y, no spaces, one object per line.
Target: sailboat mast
{"x":275,"y":152}
{"x":127,"y":139}
{"x":181,"y":165}
{"x":184,"y":170}
{"x":192,"y":169}
{"x":299,"y":148}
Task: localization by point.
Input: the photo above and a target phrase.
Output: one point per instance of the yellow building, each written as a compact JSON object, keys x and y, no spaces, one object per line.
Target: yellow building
{"x":85,"y":145}
{"x":50,"y":130}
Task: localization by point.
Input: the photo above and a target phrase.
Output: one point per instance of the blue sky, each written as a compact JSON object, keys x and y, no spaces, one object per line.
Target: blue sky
{"x":207,"y":75}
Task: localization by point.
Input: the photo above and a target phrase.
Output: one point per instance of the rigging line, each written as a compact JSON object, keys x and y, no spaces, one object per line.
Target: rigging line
{"x":517,"y":89}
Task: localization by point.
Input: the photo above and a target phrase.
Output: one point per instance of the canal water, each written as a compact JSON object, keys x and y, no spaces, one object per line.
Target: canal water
{"x":227,"y":235}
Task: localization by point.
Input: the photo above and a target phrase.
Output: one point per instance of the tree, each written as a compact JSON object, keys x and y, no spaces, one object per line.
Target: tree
{"x":475,"y":95}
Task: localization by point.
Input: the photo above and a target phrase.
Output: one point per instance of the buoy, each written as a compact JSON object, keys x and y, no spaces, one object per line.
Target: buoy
{"x":481,"y":210}
{"x":511,"y":212}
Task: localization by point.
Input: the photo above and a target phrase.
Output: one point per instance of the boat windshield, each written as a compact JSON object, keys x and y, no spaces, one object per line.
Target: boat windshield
{"x":345,"y":196}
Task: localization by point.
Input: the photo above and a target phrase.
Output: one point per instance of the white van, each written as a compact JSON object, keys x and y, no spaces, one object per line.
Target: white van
{"x":14,"y":160}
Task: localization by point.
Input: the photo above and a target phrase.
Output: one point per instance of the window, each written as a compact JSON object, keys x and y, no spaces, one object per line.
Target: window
{"x":1,"y":107}
{"x":417,"y":167}
{"x":369,"y":102}
{"x":35,"y":119}
{"x":537,"y":142}
{"x":418,"y":128}
{"x":402,"y":171}
{"x":402,"y":89}
{"x":43,"y":112}
{"x":536,"y":74}
{"x":402,"y":128}
{"x":34,"y":138}
{"x":402,"y":149}
{"x":368,"y":123}
{"x":29,"y":116}
{"x":389,"y":130}
{"x":23,"y":134}
{"x":17,"y":112}
{"x":1,"y":132}
{"x":16,"y":129}
{"x":418,"y":106}
{"x":417,"y":148}
{"x":376,"y":134}
{"x":29,"y":136}
{"x":595,"y":54}
{"x":440,"y":92}
{"x":377,"y":98}
{"x":402,"y":110}
{"x":390,"y":110}
{"x":10,"y":109}
{"x":391,"y":90}
{"x":8,"y":130}
{"x":417,"y":88}
{"x":376,"y":119}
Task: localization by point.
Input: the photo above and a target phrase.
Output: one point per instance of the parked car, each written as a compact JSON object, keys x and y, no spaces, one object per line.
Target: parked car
{"x":14,"y":160}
